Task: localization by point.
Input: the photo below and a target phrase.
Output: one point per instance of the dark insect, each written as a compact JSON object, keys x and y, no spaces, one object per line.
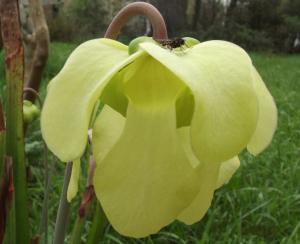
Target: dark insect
{"x":173,"y":43}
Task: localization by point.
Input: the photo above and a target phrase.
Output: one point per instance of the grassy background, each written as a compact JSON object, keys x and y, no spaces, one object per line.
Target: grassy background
{"x":260,"y":204}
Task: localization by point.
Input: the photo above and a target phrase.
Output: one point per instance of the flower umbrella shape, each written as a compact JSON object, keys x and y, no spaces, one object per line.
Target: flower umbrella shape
{"x":170,"y":131}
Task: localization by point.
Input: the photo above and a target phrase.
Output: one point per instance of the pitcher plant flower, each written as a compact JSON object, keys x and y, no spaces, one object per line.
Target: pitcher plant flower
{"x":171,"y":128}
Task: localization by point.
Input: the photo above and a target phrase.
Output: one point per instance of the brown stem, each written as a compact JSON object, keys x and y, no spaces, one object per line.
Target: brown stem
{"x":41,"y":52}
{"x":35,"y":94}
{"x":30,"y":42}
{"x":7,"y":167}
{"x":156,"y":20}
{"x":1,"y":41}
{"x":35,"y":240}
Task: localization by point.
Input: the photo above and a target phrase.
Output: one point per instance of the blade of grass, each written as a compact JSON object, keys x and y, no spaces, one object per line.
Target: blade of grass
{"x":114,"y":239}
{"x":255,"y":209}
{"x":207,"y":227}
{"x":44,"y":218}
{"x":295,"y":231}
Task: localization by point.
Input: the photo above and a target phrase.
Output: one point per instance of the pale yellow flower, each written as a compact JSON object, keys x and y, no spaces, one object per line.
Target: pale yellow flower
{"x":170,"y":131}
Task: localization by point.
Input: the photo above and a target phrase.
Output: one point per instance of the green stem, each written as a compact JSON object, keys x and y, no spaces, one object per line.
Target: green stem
{"x":46,"y":201}
{"x":45,"y":214}
{"x":2,"y":139}
{"x":47,"y":183}
{"x":98,"y":225}
{"x":12,"y":39}
{"x":83,"y":212}
{"x":63,"y":209}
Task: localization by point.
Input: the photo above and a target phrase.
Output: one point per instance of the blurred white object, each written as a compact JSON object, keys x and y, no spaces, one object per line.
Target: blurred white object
{"x":297,"y":42}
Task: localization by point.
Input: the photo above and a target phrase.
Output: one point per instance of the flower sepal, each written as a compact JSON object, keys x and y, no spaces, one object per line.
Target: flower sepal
{"x":134,"y":45}
{"x":30,"y":112}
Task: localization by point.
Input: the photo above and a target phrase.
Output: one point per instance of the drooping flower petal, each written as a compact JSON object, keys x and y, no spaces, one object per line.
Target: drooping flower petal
{"x":73,"y":184}
{"x":107,"y":129}
{"x":146,"y":180}
{"x":207,"y":174}
{"x":226,"y":171}
{"x":227,"y":168}
{"x":219,"y":74}
{"x":211,"y":177}
{"x":267,"y":118}
{"x":74,"y":92}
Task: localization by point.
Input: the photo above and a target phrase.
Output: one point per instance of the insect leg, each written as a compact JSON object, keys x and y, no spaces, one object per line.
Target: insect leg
{"x":170,"y":47}
{"x":188,"y":46}
{"x":181,"y":48}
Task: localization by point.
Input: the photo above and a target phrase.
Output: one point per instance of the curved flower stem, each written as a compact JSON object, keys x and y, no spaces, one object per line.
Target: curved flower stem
{"x":45,"y":146}
{"x":36,"y":95}
{"x":45,"y":216}
{"x":156,"y":20}
{"x":63,"y":209}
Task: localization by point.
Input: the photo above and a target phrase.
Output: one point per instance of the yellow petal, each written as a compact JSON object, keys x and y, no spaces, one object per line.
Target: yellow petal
{"x":211,"y":177}
{"x":107,"y":129}
{"x":207,"y":174}
{"x":267,"y":117}
{"x":219,"y":74}
{"x":227,"y":170}
{"x":75,"y":90}
{"x":113,"y":93}
{"x":94,"y":112}
{"x":146,"y":180}
{"x":73,"y":184}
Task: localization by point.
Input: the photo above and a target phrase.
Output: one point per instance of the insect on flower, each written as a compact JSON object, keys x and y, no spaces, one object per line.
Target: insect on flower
{"x":173,"y":43}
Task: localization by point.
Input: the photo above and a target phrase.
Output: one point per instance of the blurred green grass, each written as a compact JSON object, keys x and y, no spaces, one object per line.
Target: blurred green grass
{"x":260,"y":204}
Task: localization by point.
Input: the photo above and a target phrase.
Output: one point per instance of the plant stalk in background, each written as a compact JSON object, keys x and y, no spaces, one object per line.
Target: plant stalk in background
{"x":11,"y":33}
{"x":37,"y":49}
